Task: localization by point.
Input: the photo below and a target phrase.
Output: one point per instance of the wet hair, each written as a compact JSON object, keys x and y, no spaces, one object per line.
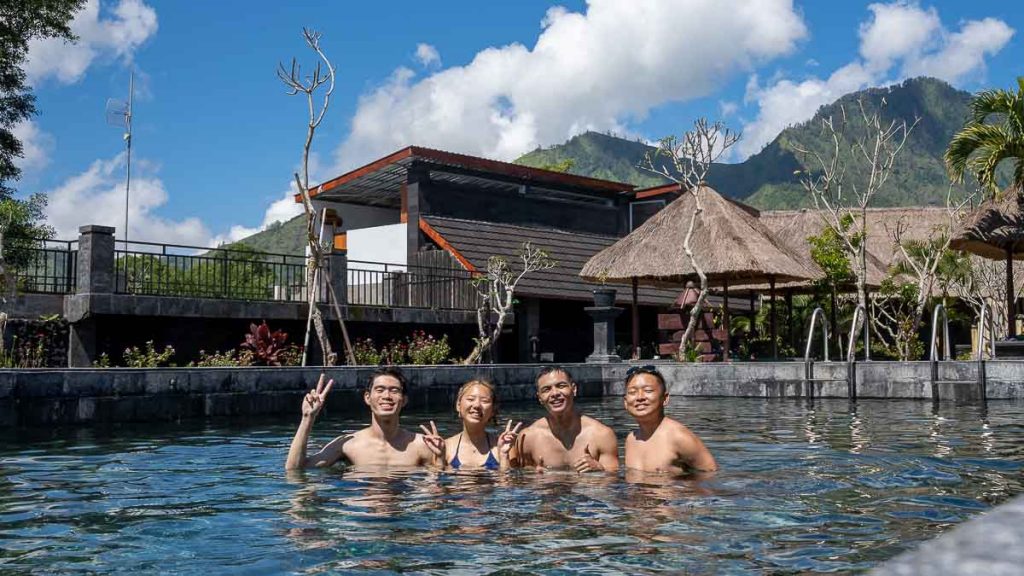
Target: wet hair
{"x":490,"y":388}
{"x":387,"y":371}
{"x":653,"y":371}
{"x":551,"y":369}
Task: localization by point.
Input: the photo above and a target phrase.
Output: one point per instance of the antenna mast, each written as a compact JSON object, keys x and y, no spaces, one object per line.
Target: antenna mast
{"x":120,"y":114}
{"x":128,"y":163}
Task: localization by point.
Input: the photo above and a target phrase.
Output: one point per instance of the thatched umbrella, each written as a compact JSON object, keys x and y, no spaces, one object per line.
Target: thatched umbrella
{"x":996,"y":231}
{"x":729,"y":241}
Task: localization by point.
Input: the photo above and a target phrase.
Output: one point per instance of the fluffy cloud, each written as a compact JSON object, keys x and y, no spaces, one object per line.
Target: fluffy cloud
{"x":36,"y":146}
{"x":100,"y":35}
{"x":428,"y":55}
{"x":280,"y":210}
{"x":594,"y":70}
{"x":898,"y":41}
{"x":96,"y":196}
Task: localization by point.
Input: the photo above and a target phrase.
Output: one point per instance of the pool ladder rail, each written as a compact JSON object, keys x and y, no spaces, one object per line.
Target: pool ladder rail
{"x":979,"y":352}
{"x":860,"y":316}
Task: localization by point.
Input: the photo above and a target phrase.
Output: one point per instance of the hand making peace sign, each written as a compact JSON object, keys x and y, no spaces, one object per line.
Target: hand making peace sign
{"x":433,"y":440}
{"x":508,"y":438}
{"x":315,"y":399}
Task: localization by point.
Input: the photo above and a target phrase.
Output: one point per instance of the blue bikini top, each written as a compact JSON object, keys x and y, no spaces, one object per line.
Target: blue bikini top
{"x":490,"y":464}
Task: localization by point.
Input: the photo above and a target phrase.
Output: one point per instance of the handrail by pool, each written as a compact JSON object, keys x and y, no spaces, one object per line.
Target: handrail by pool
{"x":933,"y":356}
{"x":980,"y":357}
{"x":808,"y":361}
{"x":851,"y":351}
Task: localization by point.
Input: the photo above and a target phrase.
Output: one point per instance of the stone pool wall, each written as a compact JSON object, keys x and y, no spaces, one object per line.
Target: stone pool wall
{"x":81,"y":396}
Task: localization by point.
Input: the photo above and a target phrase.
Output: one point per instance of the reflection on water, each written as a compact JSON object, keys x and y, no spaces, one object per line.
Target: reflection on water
{"x":827,"y":486}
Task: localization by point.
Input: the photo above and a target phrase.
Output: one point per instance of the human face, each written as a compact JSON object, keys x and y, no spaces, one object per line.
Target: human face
{"x":476,"y":406}
{"x":385,"y":396}
{"x":645,"y":396}
{"x":556,"y":392}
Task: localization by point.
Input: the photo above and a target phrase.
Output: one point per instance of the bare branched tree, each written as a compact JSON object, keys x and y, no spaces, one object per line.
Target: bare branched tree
{"x":293,"y":79}
{"x":918,"y":263}
{"x":687,"y":161}
{"x":874,"y":152}
{"x":975,"y":280}
{"x":496,"y":290}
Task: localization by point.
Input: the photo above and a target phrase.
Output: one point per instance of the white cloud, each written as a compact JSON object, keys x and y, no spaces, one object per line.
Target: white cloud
{"x":595,"y":70}
{"x":96,"y":196}
{"x":900,"y":40}
{"x":427,"y":55}
{"x":280,"y":210}
{"x":100,"y":35}
{"x":36,"y":146}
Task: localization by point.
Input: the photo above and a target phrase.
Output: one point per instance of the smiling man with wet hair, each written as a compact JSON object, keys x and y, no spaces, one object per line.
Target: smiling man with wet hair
{"x":381,"y":444}
{"x":659,"y":444}
{"x":564,"y":438}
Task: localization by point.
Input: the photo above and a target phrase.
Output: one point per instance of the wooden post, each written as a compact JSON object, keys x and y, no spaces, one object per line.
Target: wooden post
{"x":789,"y":318}
{"x":1011,"y":301}
{"x":771,"y":297}
{"x":725,"y":319}
{"x":636,"y":318}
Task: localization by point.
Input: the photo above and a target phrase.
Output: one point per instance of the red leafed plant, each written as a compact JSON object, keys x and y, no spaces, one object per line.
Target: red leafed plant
{"x":268,"y":348}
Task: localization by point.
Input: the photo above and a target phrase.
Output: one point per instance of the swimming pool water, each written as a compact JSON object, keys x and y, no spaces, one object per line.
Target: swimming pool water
{"x":828,"y":486}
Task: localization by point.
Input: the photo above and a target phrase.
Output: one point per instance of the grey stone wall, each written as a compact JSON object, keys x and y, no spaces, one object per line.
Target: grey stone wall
{"x":81,"y":396}
{"x":67,"y":396}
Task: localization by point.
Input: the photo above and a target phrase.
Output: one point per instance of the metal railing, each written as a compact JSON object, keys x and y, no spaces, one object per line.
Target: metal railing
{"x":192,"y":271}
{"x":933,"y":355}
{"x":227,"y":273}
{"x":42,"y":266}
{"x":409,"y":286}
{"x":808,"y":360}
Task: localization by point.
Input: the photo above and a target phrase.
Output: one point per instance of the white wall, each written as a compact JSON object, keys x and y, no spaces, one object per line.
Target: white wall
{"x":355,"y":216}
{"x":378,"y":244}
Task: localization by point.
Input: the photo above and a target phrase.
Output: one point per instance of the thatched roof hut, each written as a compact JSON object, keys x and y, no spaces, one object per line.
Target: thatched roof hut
{"x":996,"y":231}
{"x":732,"y":244}
{"x":994,"y":228}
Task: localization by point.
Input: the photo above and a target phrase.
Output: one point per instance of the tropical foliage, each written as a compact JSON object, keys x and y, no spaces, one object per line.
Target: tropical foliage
{"x":994,"y":133}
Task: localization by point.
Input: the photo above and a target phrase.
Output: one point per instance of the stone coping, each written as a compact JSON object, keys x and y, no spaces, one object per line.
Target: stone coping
{"x":991,"y":544}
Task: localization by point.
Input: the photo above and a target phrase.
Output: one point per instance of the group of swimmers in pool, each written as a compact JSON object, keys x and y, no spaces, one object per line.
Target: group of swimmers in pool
{"x":562,"y":439}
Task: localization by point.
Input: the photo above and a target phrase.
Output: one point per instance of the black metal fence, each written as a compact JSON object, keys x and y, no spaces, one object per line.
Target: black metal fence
{"x":405,"y":286}
{"x":177,"y":270}
{"x":191,"y":271}
{"x":42,"y":266}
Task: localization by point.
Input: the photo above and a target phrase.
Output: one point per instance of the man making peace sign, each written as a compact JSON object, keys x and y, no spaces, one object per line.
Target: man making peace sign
{"x":381,"y":444}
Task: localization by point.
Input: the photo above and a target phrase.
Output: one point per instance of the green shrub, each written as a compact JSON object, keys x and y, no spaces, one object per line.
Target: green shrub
{"x":366,"y":352}
{"x":148,"y":358}
{"x":425,"y":349}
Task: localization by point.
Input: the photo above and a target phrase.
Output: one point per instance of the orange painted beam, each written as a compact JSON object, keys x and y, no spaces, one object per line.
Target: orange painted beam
{"x":657,"y":191}
{"x":445,"y":245}
{"x":403,"y":216}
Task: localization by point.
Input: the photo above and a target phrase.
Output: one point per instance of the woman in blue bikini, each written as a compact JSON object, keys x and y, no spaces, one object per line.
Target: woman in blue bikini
{"x":474,"y":447}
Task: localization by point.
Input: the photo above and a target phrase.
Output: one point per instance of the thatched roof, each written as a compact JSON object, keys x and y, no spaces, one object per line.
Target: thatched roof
{"x":793,"y":227}
{"x":996,"y":225}
{"x":734,"y":245}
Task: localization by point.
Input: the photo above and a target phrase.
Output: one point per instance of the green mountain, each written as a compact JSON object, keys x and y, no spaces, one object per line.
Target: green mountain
{"x":280,"y":237}
{"x":767,"y":180}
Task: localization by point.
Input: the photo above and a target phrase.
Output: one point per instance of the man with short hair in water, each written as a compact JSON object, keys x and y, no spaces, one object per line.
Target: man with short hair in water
{"x":565,"y":438}
{"x":381,"y":444}
{"x":659,"y":444}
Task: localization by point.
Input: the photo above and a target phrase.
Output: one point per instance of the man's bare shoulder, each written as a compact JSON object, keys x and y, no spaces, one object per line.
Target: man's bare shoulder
{"x":595,"y":425}
{"x":675,"y":427}
{"x":540,"y":424}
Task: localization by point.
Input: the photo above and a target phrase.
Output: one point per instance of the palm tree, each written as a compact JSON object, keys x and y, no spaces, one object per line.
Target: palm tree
{"x":980,"y":146}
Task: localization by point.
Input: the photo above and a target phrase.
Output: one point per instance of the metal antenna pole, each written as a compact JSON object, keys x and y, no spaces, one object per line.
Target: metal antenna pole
{"x":128,"y":164}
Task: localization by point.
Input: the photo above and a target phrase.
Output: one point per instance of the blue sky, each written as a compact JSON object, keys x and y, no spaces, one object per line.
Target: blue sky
{"x":216,"y":139}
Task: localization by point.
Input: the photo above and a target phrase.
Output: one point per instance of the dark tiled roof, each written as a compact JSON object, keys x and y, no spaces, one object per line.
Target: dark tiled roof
{"x":477,"y":241}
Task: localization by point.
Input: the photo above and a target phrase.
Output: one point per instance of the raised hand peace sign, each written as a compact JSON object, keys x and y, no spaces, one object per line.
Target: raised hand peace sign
{"x":315,"y":399}
{"x":433,"y":440}
{"x":508,"y":438}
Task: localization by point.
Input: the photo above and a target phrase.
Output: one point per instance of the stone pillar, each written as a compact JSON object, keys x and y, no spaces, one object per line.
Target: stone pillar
{"x":337,"y":263}
{"x":95,"y":259}
{"x":604,"y":333}
{"x":95,"y":275}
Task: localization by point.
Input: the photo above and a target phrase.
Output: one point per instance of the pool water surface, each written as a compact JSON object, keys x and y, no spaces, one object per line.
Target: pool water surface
{"x":828,"y":486}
